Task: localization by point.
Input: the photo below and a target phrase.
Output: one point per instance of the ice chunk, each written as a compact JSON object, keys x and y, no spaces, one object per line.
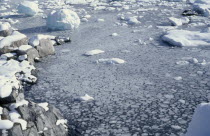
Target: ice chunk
{"x":86,"y":98}
{"x":187,"y":38}
{"x":93,"y":52}
{"x":4,"y":26}
{"x":111,"y":61}
{"x":179,"y":21}
{"x":114,"y":34}
{"x":28,"y":8}
{"x":63,"y":19}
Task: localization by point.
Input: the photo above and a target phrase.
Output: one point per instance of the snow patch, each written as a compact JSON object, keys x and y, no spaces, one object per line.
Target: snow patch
{"x":6,"y":124}
{"x":44,"y":105}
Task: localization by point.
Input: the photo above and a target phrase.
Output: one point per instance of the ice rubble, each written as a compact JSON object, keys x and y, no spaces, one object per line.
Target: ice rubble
{"x":199,"y":126}
{"x":187,"y":38}
{"x":28,"y":8}
{"x":63,"y":19}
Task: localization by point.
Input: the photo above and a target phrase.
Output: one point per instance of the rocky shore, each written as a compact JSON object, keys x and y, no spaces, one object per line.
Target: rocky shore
{"x":20,"y":117}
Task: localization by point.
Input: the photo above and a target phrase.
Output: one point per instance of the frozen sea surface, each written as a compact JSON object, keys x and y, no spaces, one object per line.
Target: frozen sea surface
{"x":138,"y":98}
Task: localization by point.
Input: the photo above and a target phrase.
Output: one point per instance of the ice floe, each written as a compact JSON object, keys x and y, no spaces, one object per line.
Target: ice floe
{"x":187,"y":38}
{"x":93,"y":52}
{"x":111,"y":61}
{"x":86,"y":98}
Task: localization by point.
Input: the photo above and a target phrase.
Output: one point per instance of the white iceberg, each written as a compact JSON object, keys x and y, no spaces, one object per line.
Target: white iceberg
{"x":199,"y":126}
{"x":63,"y":19}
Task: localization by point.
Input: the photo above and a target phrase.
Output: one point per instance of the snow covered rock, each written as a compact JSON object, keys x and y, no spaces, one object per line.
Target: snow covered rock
{"x":12,"y":42}
{"x":179,"y":21}
{"x":187,"y":38}
{"x":5,"y":29}
{"x":63,"y":19}
{"x":93,"y":52}
{"x":28,"y":8}
{"x":42,"y":119}
{"x":35,"y":40}
{"x":61,"y":40}
{"x":199,"y":126}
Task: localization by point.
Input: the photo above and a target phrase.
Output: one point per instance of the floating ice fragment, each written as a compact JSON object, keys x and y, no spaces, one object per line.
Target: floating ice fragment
{"x":86,"y":98}
{"x":93,"y":52}
{"x":111,"y":61}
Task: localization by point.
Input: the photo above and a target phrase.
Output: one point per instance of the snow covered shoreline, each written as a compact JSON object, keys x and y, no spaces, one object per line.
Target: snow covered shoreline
{"x":18,"y":116}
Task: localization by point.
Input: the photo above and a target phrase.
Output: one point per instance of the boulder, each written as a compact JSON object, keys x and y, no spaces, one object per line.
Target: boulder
{"x":12,"y":42}
{"x":28,"y":50}
{"x":10,"y":99}
{"x":15,"y":130}
{"x":45,"y":48}
{"x":42,"y":121}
